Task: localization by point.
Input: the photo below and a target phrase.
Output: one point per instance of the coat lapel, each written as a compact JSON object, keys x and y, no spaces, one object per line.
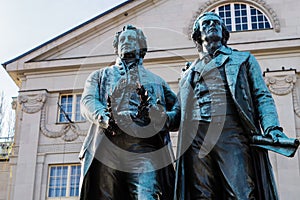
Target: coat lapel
{"x":218,"y":61}
{"x":232,"y":69}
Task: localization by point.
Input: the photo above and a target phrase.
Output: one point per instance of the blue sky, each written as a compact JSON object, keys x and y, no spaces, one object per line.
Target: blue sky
{"x":27,"y":24}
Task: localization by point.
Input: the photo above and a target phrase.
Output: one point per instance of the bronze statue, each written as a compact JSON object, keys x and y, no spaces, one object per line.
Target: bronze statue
{"x":224,"y":104}
{"x":126,"y":152}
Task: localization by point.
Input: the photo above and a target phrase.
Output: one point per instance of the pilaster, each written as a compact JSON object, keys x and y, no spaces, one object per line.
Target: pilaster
{"x":282,"y":86}
{"x":31,"y":103}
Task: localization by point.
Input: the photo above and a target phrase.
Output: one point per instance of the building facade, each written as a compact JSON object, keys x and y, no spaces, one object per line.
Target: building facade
{"x":49,"y":129}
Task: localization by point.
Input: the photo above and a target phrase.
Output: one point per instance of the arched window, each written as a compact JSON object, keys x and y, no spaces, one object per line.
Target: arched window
{"x":242,"y":17}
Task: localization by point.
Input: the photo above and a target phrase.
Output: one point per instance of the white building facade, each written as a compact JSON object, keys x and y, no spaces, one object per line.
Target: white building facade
{"x":44,"y":163}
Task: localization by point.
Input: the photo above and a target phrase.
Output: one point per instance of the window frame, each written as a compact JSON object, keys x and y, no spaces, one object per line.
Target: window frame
{"x":248,"y":14}
{"x":68,"y":185}
{"x":74,"y":108}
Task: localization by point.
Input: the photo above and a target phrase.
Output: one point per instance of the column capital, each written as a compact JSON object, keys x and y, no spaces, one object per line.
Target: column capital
{"x":281,"y":82}
{"x":32,"y":101}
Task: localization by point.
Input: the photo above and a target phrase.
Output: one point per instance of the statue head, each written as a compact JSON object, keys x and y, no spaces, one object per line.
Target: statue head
{"x":196,"y":34}
{"x":131,"y":41}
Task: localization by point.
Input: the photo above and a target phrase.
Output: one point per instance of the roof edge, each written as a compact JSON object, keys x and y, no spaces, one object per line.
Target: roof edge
{"x":67,"y":32}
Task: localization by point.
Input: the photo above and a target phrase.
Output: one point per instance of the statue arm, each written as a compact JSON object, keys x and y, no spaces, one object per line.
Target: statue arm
{"x":172,"y":109}
{"x":262,"y":98}
{"x":93,"y":105}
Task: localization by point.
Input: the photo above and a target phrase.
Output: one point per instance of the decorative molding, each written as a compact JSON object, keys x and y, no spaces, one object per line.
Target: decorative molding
{"x":281,"y":85}
{"x":210,"y":4}
{"x":296,"y":102}
{"x":32,"y":101}
{"x":269,"y":12}
{"x":14,"y":103}
{"x":68,"y":132}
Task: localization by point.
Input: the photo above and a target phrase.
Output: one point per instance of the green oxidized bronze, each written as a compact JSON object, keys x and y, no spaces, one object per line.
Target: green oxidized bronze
{"x":225,"y":104}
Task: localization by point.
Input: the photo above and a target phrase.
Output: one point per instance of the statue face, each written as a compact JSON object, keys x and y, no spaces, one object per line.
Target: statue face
{"x":127,"y":45}
{"x":210,"y":28}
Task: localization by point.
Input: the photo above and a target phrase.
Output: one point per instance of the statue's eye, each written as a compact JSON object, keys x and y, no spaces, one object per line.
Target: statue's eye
{"x":205,"y":23}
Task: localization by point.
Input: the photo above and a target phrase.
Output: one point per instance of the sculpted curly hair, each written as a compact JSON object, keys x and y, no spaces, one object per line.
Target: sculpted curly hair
{"x":141,"y":39}
{"x":196,"y":34}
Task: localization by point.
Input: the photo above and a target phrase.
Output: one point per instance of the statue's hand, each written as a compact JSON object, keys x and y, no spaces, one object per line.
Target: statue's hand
{"x":157,"y":115}
{"x":124,"y":118}
{"x":104,"y":120}
{"x":275,"y":134}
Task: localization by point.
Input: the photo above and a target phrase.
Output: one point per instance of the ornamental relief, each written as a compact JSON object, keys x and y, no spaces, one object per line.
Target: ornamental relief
{"x":68,"y":132}
{"x":281,"y":85}
{"x":32,"y":103}
{"x":35,"y":102}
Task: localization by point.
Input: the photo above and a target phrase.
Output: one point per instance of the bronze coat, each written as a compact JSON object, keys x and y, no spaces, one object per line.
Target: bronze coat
{"x":255,"y":107}
{"x":101,"y":84}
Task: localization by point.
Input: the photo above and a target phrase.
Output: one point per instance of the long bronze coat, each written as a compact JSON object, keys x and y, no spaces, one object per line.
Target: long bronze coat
{"x":255,"y":107}
{"x":101,"y":84}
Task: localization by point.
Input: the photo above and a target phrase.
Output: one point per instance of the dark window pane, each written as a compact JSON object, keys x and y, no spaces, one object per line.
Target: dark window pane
{"x":261,"y":25}
{"x":63,"y":99}
{"x":229,"y":28}
{"x":57,"y":192}
{"x":244,"y":12}
{"x":258,"y":12}
{"x":238,"y":27}
{"x":254,"y":26}
{"x":245,"y":26}
{"x":51,"y":192}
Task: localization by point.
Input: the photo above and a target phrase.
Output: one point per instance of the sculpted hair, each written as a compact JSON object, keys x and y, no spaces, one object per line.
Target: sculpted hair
{"x":196,"y":34}
{"x":141,"y":39}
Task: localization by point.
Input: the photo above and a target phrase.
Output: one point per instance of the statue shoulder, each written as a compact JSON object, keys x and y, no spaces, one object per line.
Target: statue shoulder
{"x":240,"y":55}
{"x":102,"y":72}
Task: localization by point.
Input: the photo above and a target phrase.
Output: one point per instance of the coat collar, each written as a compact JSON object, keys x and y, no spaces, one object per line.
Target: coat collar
{"x":121,"y":64}
{"x":221,"y":56}
{"x":143,"y":73}
{"x":222,"y":50}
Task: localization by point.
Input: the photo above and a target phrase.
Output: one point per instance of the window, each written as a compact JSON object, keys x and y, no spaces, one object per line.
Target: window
{"x":70,"y":108}
{"x":241,"y":17}
{"x":64,"y":181}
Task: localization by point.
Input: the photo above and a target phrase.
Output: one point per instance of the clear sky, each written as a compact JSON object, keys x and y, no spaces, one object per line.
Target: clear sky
{"x":29,"y":23}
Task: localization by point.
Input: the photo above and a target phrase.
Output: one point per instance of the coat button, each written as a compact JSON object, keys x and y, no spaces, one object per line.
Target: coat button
{"x":245,"y":97}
